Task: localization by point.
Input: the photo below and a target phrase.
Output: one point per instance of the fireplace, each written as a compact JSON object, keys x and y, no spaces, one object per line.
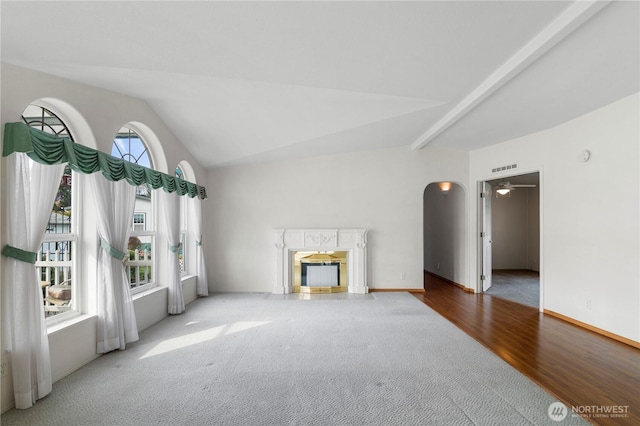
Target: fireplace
{"x":352,"y":241}
{"x":320,"y":271}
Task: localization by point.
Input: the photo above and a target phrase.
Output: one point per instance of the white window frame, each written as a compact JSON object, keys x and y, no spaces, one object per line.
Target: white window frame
{"x":140,"y":259}
{"x":75,"y":258}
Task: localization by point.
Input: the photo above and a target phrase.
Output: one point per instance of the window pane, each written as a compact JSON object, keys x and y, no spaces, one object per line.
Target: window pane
{"x":54,"y":266}
{"x":60,"y":217}
{"x":43,"y":119}
{"x":140,"y":262}
{"x":128,"y":146}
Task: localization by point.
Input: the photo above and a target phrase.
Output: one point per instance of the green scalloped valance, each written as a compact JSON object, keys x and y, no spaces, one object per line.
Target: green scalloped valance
{"x":44,"y":148}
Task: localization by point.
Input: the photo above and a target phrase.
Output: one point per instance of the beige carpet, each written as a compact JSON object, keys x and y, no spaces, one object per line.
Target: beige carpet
{"x":261,"y":359}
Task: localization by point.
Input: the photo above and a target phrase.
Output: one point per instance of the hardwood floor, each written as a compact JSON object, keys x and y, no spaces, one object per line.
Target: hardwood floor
{"x":581,"y":368}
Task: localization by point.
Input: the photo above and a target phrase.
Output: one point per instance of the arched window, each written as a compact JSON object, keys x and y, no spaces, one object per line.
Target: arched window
{"x":56,"y":261}
{"x":130,"y":146}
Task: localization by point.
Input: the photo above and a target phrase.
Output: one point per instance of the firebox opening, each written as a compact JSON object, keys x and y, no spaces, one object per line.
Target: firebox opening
{"x":320,"y":272}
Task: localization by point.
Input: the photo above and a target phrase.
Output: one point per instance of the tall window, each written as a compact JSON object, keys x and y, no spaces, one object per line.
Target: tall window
{"x":182,"y":254}
{"x":129,"y":146}
{"x":56,"y":261}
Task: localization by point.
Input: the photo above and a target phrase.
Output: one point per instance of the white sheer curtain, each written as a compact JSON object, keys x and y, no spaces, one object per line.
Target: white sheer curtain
{"x":32,"y":190}
{"x":195,"y":226}
{"x":170,"y":222}
{"x":115,"y":202}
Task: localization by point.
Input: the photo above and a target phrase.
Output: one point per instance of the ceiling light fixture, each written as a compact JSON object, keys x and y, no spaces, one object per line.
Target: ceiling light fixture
{"x":445,"y":187}
{"x":503,"y":191}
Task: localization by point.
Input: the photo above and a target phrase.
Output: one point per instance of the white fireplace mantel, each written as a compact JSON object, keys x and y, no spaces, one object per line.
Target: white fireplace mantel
{"x":353,"y":241}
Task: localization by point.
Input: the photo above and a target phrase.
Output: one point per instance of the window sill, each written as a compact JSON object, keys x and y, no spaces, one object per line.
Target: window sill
{"x":152,"y":290}
{"x":185,"y":277}
{"x":67,"y":322}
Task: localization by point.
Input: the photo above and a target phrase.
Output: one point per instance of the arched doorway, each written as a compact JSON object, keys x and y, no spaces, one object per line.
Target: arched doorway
{"x":445,"y":231}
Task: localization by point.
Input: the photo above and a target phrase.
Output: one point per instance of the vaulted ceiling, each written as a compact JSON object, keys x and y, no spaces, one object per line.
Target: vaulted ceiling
{"x":241,"y":82}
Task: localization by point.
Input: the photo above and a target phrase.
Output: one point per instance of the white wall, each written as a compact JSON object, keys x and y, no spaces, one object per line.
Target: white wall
{"x":445,"y":225}
{"x":380,"y":190}
{"x":590,"y":213}
{"x":515,"y":230}
{"x":533,"y":228}
{"x":100,"y":114}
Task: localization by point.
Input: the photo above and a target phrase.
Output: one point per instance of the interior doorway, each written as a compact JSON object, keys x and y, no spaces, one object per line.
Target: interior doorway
{"x":510,"y":238}
{"x":445,"y":232}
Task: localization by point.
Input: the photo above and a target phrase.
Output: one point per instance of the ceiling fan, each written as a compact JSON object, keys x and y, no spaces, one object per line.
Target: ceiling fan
{"x":505,"y":187}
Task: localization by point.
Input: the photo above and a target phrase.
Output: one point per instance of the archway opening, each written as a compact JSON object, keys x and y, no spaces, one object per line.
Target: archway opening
{"x":444,"y":231}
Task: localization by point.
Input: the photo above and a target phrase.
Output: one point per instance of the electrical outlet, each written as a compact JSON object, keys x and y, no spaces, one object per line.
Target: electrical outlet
{"x":589,"y":304}
{"x":5,"y":368}
{"x":403,"y":275}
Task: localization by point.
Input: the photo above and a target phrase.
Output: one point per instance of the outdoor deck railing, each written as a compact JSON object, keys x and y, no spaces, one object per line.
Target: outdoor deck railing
{"x":54,"y":271}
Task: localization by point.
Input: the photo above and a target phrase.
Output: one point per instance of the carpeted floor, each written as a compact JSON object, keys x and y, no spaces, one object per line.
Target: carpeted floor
{"x":262,"y":359}
{"x":518,"y":285}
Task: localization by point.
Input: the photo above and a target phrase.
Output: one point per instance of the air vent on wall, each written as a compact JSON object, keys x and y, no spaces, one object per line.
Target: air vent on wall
{"x":503,"y":168}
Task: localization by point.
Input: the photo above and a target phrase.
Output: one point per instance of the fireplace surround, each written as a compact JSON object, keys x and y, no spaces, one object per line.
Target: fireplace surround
{"x":353,"y":241}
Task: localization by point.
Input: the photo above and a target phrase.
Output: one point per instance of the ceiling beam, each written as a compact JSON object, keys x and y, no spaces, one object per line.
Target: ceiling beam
{"x":563,"y":25}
